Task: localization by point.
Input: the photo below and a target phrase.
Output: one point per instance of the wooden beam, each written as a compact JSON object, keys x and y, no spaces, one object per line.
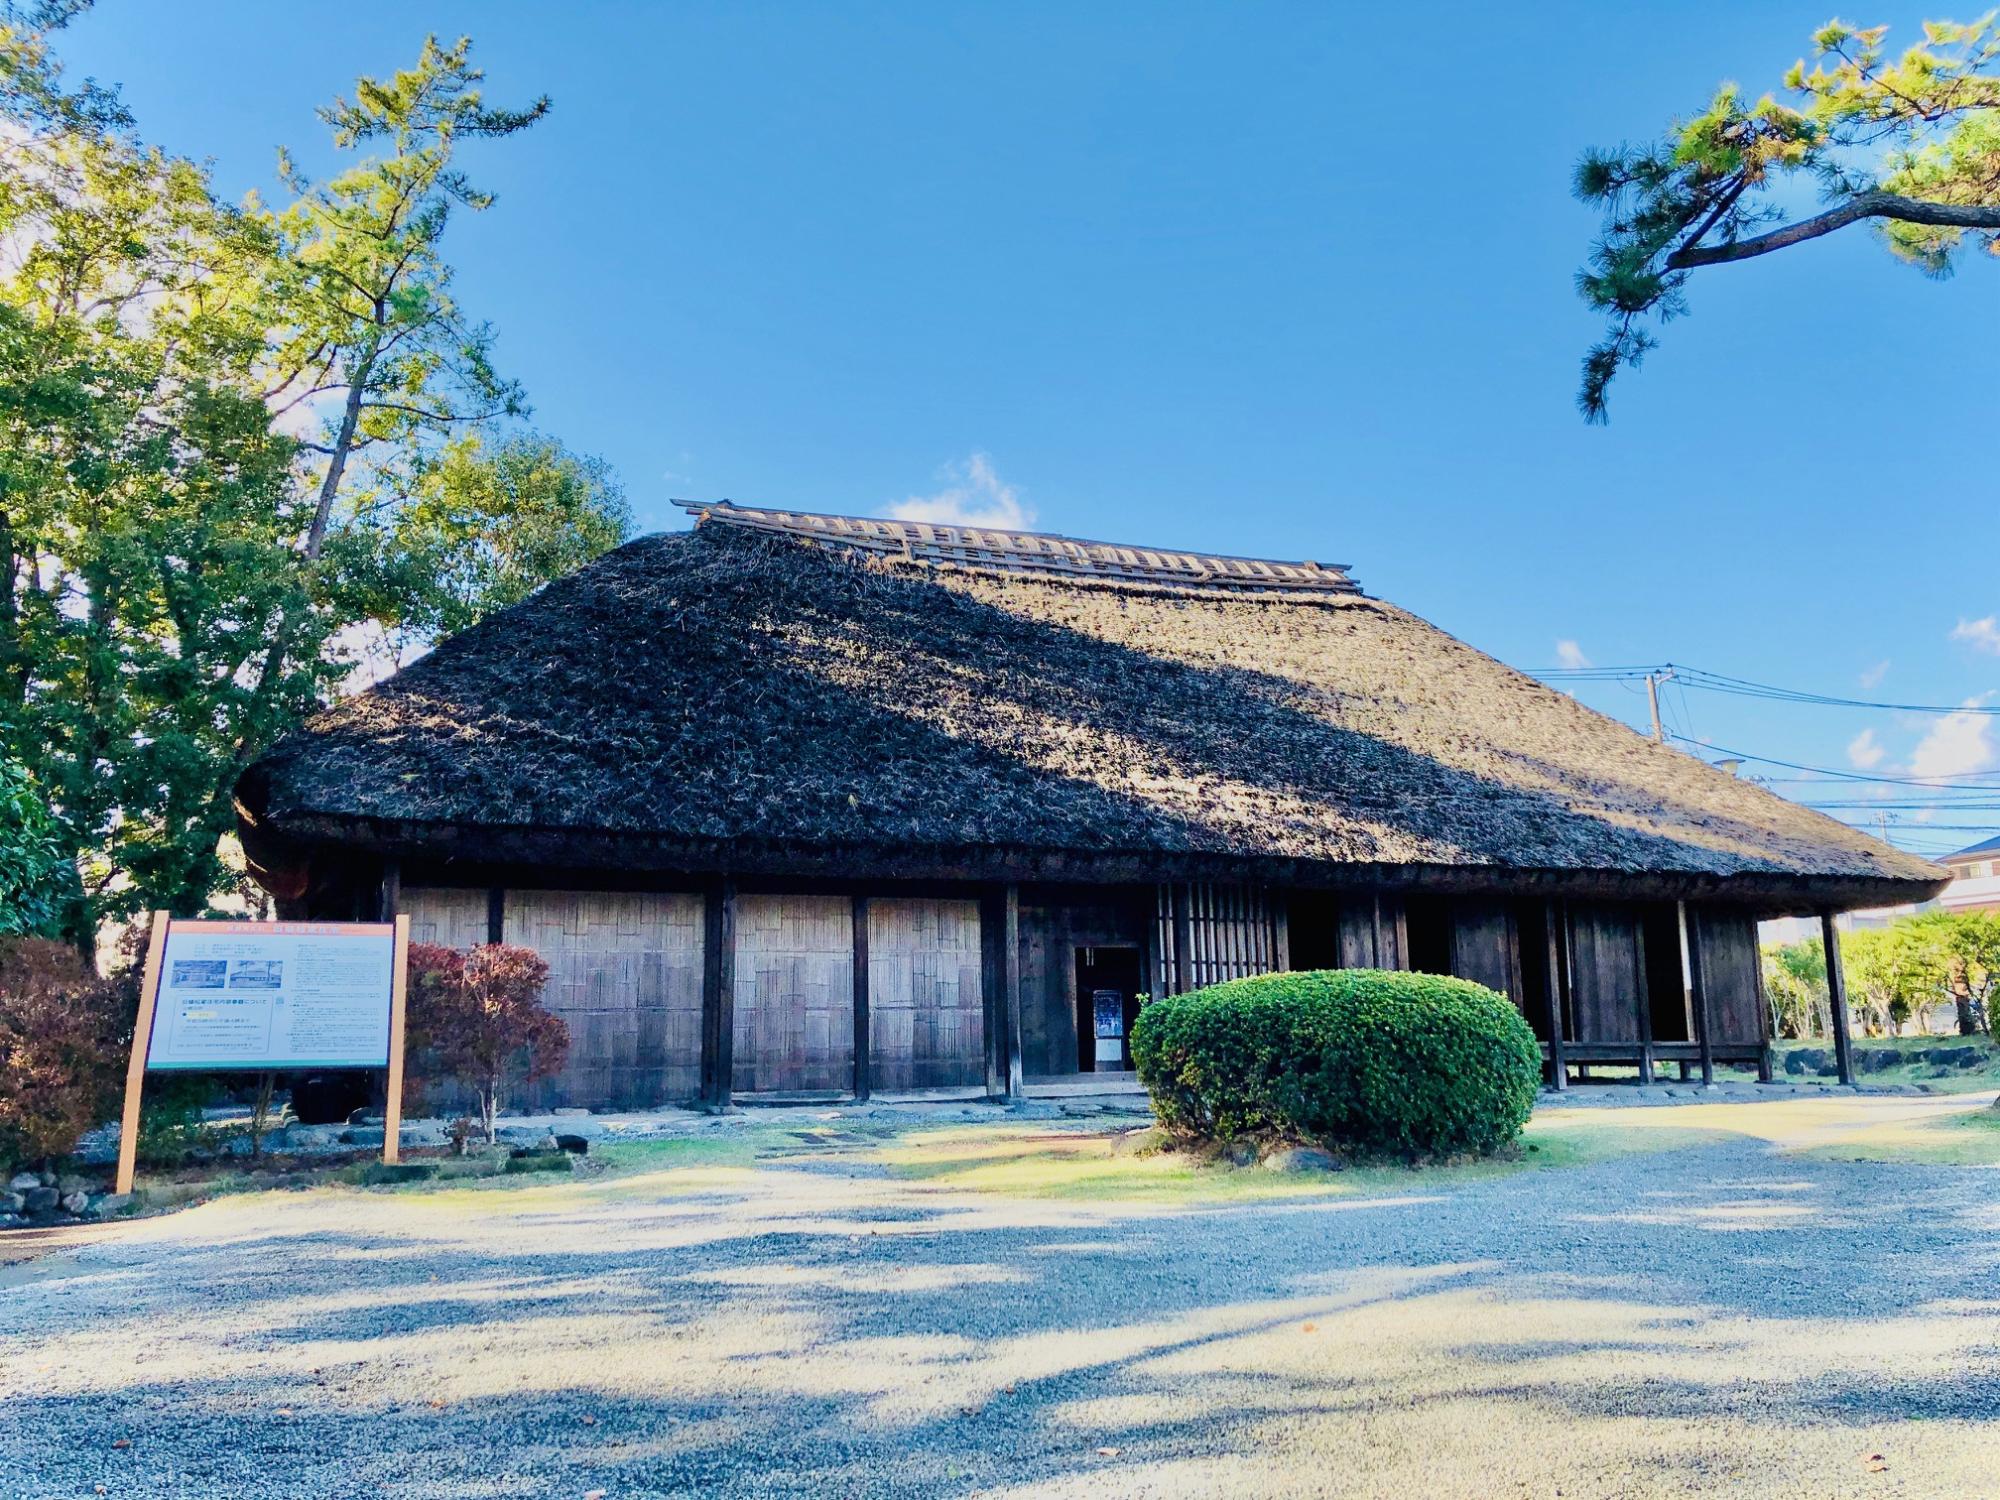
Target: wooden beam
{"x":1643,"y":988}
{"x":718,"y":992}
{"x":1183,"y":938}
{"x":1010,"y":985}
{"x":992,"y":929}
{"x":392,"y":1102}
{"x":135,"y":1069}
{"x":1558,"y":1063}
{"x":863,"y":1062}
{"x":1836,"y":992}
{"x":1703,"y":1014}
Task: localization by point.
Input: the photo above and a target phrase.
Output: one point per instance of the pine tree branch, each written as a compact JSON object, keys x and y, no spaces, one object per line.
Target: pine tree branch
{"x":1863,"y":206}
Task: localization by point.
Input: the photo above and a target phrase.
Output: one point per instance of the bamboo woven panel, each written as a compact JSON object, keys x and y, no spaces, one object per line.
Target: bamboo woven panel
{"x":794,"y":994}
{"x":926,"y":1014}
{"x":625,"y":974}
{"x":453,"y":917}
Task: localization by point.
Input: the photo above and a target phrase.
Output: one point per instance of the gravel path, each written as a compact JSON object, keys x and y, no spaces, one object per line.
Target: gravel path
{"x":1720,"y":1320}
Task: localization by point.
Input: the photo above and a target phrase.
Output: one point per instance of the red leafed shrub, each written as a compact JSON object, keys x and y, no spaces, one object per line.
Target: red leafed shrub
{"x":478,"y":1017}
{"x":65,"y":1035}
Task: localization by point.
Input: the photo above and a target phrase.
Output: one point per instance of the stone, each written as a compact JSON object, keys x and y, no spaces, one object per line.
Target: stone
{"x":1302,"y":1159}
{"x":1240,"y":1154}
{"x":110,"y":1204}
{"x":76,"y":1203}
{"x":571,"y":1112}
{"x":12,"y":1202}
{"x":238,"y":1145}
{"x":70,"y":1182}
{"x":23,"y":1181}
{"x":1807,"y":1060}
{"x":575,"y":1145}
{"x":361,"y":1135}
{"x":11,"y":1221}
{"x":40,"y":1200}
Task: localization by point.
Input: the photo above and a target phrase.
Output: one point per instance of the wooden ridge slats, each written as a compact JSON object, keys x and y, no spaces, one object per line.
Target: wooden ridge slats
{"x":1207,"y":933}
{"x":992,"y":549}
{"x":926,"y":1022}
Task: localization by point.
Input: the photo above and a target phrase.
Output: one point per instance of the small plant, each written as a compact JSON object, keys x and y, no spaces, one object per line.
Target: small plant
{"x":64,"y":1036}
{"x":1382,"y":1061}
{"x":479,"y":1017}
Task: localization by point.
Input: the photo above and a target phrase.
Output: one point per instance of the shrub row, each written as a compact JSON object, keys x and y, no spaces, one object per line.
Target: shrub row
{"x":1382,"y":1061}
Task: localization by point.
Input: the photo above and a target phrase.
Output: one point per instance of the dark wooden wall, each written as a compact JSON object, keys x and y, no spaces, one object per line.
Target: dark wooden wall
{"x":1486,"y":946}
{"x":1607,"y":972}
{"x":794,"y":993}
{"x":1733,"y":971}
{"x":1372,"y":934}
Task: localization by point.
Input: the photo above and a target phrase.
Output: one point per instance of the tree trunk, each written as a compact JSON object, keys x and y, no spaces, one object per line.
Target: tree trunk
{"x":489,"y":1108}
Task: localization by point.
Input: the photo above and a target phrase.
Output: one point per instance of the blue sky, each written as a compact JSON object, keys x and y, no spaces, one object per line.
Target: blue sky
{"x":1290,"y":280}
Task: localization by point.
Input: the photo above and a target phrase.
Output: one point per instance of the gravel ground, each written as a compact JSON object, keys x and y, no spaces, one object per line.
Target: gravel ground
{"x":1717,"y":1320}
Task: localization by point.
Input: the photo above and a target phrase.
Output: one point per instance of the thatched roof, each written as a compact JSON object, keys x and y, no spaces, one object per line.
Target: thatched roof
{"x":732,"y":698}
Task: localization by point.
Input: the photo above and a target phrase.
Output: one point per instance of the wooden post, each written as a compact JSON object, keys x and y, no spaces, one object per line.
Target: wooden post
{"x":1010,"y":984}
{"x":1703,"y":1015}
{"x":392,"y":1109}
{"x":389,"y":896}
{"x":1183,"y":939}
{"x":1558,"y":1065}
{"x":1836,"y":993}
{"x":718,"y":991}
{"x":142,"y":1040}
{"x":863,"y":1061}
{"x":496,"y":915}
{"x":1644,"y":988}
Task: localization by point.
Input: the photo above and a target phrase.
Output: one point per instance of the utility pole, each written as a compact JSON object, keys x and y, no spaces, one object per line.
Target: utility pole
{"x":1653,"y":681}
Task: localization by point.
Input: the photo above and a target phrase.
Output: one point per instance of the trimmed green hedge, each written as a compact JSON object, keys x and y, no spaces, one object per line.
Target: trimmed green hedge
{"x":1369,"y":1058}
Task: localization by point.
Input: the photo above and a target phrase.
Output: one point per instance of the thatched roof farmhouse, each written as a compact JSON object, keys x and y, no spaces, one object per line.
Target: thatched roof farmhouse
{"x":949,"y":791}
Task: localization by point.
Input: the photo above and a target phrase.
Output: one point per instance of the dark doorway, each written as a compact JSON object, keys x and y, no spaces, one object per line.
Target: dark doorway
{"x":1313,"y":928}
{"x":1107,"y":998}
{"x":1427,"y":920}
{"x":1666,"y":989}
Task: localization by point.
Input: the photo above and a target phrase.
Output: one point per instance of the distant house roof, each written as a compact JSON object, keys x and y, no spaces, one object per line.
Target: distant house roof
{"x":798,"y":694}
{"x":1985,"y":849}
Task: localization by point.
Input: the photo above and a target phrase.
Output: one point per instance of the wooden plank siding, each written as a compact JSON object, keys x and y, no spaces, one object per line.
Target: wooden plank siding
{"x":794,"y":991}
{"x":625,"y":975}
{"x":926,"y":1015}
{"x":1372,"y":935}
{"x":1486,"y":947}
{"x":1731,"y":974}
{"x":1607,"y":975}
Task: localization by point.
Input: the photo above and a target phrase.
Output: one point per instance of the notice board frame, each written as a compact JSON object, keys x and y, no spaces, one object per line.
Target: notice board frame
{"x":149,"y":996}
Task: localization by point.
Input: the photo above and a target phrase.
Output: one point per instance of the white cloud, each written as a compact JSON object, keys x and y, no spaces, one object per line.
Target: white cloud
{"x":1874,"y":675}
{"x":973,"y":495}
{"x":1956,"y":745}
{"x":1983,"y":635}
{"x":1864,"y":751}
{"x":1570,"y":654}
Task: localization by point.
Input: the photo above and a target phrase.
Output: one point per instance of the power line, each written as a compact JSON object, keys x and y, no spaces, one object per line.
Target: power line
{"x":1720,"y":682}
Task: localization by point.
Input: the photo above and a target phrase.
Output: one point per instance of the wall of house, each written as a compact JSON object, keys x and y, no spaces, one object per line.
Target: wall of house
{"x":1054,"y":924}
{"x":794,"y":993}
{"x":926,"y":1010}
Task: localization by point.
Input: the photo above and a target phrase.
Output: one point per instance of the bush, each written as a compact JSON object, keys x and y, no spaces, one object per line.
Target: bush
{"x":1349,"y":1057}
{"x":65,"y":1035}
{"x":478,"y":1017}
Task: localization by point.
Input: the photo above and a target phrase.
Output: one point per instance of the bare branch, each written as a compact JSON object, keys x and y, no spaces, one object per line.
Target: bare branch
{"x":1863,"y":206}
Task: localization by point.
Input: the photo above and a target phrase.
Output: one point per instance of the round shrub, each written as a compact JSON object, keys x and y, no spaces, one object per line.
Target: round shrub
{"x":1368,"y":1058}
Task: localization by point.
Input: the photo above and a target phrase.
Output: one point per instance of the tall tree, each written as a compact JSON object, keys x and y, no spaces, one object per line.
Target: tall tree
{"x":1910,"y":143}
{"x":224,"y":436}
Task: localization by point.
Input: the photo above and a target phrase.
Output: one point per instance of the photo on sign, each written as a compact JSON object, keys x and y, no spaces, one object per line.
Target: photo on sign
{"x":256,"y":974}
{"x":197,"y":974}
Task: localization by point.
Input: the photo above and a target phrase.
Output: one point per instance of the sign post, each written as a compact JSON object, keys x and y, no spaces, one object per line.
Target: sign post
{"x":269,"y":996}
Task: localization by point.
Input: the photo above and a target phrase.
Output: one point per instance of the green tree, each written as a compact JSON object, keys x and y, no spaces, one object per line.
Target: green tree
{"x":1910,"y":143}
{"x":180,"y":574}
{"x":1795,"y":984}
{"x":33,"y":873}
{"x":1957,"y":956}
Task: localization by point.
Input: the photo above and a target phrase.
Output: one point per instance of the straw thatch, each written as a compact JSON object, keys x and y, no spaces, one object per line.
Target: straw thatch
{"x":737,"y":700}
